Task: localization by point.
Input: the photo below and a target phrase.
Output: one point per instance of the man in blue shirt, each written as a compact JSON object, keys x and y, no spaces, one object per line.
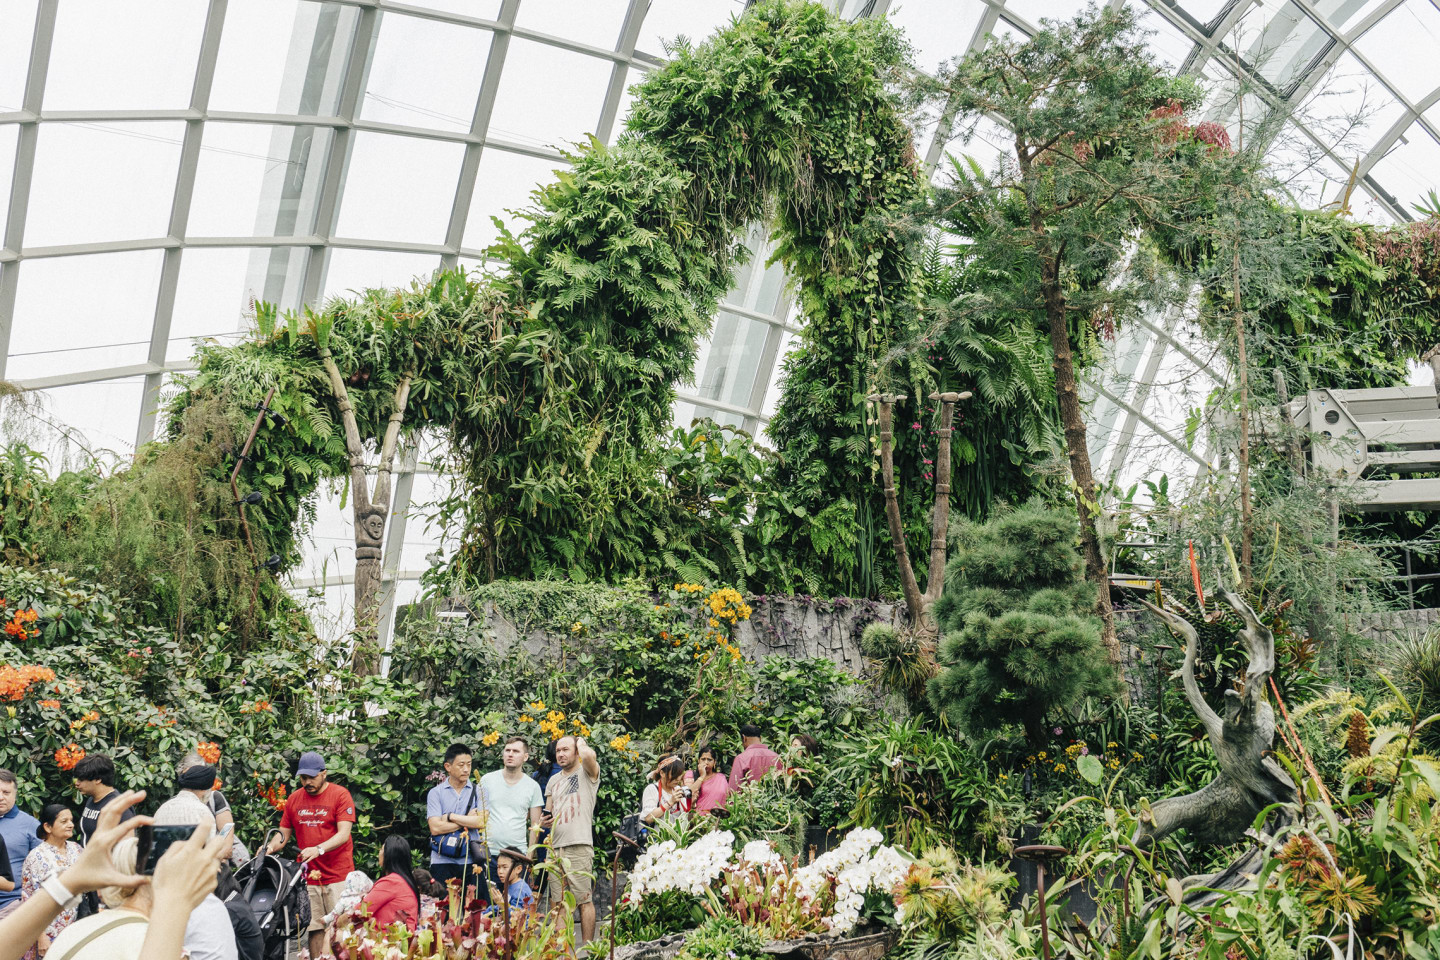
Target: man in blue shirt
{"x":18,"y":830}
{"x":451,"y":806}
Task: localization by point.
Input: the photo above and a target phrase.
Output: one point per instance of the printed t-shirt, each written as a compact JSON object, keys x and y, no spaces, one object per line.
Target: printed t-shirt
{"x":443,"y":799}
{"x":18,"y":831}
{"x":509,"y":808}
{"x":317,"y":819}
{"x":570,"y":798}
{"x":753,"y":763}
{"x":90,"y":815}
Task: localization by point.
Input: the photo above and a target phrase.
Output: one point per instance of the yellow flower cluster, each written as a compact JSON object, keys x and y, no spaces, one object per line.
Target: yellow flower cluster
{"x":688,"y":588}
{"x":727,"y":604}
{"x":491,"y":738}
{"x":621,"y":745}
{"x":536,"y":705}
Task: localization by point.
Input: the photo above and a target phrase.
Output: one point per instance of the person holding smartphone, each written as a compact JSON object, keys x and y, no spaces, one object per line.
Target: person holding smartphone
{"x":208,"y":934}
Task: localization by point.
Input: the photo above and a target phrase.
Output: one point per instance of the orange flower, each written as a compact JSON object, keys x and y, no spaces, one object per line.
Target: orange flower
{"x":209,"y":752}
{"x":67,"y":757}
{"x":273,"y":794}
{"x":52,"y":704}
{"x":15,"y":681}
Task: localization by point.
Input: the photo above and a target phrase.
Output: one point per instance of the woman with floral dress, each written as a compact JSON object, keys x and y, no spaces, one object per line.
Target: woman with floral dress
{"x":57,"y":853}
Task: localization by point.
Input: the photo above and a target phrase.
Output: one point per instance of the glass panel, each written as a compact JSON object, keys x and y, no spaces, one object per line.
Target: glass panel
{"x":9,"y":137}
{"x":595,"y":22}
{"x":1350,"y":106}
{"x":1288,"y":42}
{"x":687,"y":412}
{"x":102,"y":181}
{"x":15,"y":39}
{"x":1037,"y":10}
{"x":258,"y":180}
{"x":622,"y":112}
{"x":115,"y":55}
{"x":757,"y":287}
{"x":481,"y":9}
{"x":283,"y":56}
{"x":1404,"y":44}
{"x":548,"y":96}
{"x":351,"y":270}
{"x":437,"y":89}
{"x":218,"y":287}
{"x":1311,"y":177}
{"x":1203,"y":11}
{"x":399,"y":188}
{"x":58,"y":330}
{"x":1345,"y":14}
{"x":693,"y":19}
{"x":1411,"y":167}
{"x":729,"y":362}
{"x":772,"y":392}
{"x":989,"y":143}
{"x":1168,"y":42}
{"x":104,"y":416}
{"x":1366,"y":207}
{"x":503,"y":183}
{"x":939,"y":29}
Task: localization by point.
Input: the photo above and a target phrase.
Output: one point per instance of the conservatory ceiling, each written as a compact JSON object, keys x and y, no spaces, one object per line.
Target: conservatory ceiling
{"x":166,"y":162}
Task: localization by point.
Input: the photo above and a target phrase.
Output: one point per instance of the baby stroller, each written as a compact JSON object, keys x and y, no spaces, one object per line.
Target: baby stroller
{"x":276,"y":892}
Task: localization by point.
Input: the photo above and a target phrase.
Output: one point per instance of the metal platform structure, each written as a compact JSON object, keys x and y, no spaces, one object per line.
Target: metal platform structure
{"x":1378,"y":438}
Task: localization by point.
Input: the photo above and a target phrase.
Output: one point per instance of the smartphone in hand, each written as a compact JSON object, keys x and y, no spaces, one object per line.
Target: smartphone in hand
{"x":154,"y":839}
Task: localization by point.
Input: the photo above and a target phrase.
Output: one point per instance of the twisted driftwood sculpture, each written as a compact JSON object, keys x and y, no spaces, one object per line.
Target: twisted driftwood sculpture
{"x":1250,"y":779}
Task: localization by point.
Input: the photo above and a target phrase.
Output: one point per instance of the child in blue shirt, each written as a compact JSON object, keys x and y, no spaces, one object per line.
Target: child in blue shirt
{"x":510,"y":867}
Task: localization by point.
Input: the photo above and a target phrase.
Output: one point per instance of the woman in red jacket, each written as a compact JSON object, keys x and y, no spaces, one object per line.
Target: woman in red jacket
{"x":394,"y":898}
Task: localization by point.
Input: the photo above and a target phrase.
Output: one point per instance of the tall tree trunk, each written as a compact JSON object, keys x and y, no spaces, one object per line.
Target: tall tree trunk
{"x":1247,"y":519}
{"x":1073,"y":420}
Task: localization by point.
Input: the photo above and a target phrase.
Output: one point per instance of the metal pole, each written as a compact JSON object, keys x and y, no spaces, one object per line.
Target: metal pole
{"x":615,"y":885}
{"x":240,"y":462}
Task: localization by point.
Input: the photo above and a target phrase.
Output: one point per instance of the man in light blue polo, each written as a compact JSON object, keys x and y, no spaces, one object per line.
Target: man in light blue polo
{"x":18,"y":830}
{"x":451,"y":806}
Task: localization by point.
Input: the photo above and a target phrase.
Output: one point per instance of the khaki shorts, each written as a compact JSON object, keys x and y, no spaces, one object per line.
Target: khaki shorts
{"x":323,"y":898}
{"x":578,"y":861}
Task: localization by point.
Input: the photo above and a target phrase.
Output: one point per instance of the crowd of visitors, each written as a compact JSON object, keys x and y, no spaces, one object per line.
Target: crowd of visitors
{"x":92,"y":889}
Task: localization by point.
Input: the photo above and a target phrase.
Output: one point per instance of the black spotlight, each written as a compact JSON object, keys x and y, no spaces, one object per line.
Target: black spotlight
{"x":272,"y":563}
{"x":254,"y":496}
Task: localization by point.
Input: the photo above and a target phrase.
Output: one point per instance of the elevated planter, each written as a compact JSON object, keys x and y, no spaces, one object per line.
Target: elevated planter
{"x":868,"y":944}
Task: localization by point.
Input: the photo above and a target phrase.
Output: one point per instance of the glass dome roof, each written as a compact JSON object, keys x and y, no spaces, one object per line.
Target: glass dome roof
{"x":166,"y":162}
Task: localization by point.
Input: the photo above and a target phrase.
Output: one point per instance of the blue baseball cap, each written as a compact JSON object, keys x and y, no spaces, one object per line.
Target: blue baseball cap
{"x":311,"y":763}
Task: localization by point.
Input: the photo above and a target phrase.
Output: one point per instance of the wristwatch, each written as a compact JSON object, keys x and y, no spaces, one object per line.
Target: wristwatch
{"x":57,"y":889}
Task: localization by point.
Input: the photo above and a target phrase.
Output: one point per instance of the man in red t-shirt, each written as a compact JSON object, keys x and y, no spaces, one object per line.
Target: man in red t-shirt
{"x":320,"y":817}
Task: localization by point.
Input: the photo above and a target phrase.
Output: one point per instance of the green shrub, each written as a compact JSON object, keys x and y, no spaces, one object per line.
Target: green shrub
{"x":1019,"y":638}
{"x":722,"y":938}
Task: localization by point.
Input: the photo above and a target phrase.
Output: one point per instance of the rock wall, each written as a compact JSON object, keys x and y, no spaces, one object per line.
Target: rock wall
{"x":790,"y":626}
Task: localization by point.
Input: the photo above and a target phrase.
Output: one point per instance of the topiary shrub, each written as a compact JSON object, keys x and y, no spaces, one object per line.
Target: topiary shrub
{"x":1019,"y":638}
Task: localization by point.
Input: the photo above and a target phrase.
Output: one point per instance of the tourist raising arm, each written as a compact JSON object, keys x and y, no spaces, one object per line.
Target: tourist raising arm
{"x":91,"y":871}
